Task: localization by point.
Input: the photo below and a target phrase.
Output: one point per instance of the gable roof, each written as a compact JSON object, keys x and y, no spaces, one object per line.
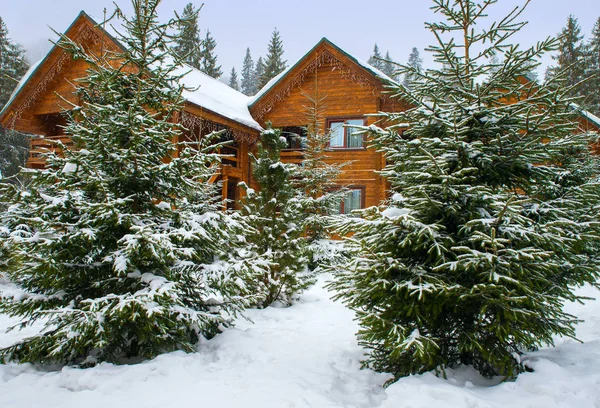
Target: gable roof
{"x":203,"y":90}
{"x":324,"y":44}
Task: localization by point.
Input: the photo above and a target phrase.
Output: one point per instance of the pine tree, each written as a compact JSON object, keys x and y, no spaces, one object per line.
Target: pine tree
{"x":316,"y":178}
{"x":472,"y":259}
{"x":120,"y":248}
{"x":414,"y":61}
{"x":275,"y":215}
{"x":209,"y":59}
{"x":12,"y":64}
{"x":389,"y":66}
{"x":375,"y":58}
{"x":188,"y":45}
{"x":592,"y":64}
{"x":14,"y":146}
{"x":233,"y":80}
{"x":259,"y":70}
{"x":274,"y":63}
{"x":571,"y":52}
{"x":248,"y":84}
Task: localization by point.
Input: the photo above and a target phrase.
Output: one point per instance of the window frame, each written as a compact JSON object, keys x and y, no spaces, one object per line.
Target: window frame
{"x":346,"y":135}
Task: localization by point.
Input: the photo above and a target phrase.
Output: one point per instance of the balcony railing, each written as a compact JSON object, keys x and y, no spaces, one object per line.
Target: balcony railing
{"x":41,"y":145}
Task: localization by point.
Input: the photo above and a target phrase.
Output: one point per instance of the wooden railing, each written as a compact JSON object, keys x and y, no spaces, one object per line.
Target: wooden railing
{"x":292,"y":156}
{"x":41,"y":145}
{"x":231,"y":155}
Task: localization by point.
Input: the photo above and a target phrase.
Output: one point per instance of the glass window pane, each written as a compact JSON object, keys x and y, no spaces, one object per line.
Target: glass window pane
{"x":353,"y":201}
{"x":337,"y":134}
{"x":354,"y":140}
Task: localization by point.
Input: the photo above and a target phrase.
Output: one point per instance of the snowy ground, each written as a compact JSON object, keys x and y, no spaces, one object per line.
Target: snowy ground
{"x":304,"y":356}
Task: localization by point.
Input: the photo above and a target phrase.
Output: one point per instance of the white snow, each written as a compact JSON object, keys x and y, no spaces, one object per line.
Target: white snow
{"x":216,"y":96}
{"x":304,"y":356}
{"x":394,"y":212}
{"x":588,"y":115}
{"x":69,"y":167}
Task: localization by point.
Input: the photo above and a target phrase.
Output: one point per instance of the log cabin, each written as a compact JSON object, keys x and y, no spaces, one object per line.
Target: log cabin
{"x":38,"y":103}
{"x":350,"y":90}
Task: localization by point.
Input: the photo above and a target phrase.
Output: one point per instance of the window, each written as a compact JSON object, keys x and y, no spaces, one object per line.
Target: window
{"x":295,"y":136}
{"x":352,"y":200}
{"x":345,"y":137}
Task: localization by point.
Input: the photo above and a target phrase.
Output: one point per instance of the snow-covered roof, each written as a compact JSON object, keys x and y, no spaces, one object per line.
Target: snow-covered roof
{"x":587,"y":115}
{"x":207,"y":92}
{"x":216,"y":96}
{"x":374,"y":71}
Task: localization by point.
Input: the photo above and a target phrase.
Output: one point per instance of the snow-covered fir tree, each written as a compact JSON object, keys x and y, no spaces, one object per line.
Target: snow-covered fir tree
{"x":12,"y":64}
{"x":119,"y":246}
{"x":316,"y":178}
{"x":474,"y":255}
{"x":188,"y":45}
{"x":273,"y":62}
{"x":208,"y":63}
{"x":259,"y":70}
{"x":389,"y":67}
{"x":233,"y":80}
{"x":276,"y":216}
{"x":375,"y":58}
{"x":248,"y":84}
{"x":416,"y":62}
{"x":14,"y":146}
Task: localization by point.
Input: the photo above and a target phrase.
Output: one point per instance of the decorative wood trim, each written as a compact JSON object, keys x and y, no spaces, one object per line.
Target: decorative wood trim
{"x":198,"y":125}
{"x":324,"y":57}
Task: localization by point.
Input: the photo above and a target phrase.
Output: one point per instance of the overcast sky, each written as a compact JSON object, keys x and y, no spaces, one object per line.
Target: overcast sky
{"x":395,"y":25}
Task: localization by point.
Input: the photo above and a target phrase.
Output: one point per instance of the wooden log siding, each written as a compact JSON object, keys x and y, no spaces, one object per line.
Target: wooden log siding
{"x":349,"y":94}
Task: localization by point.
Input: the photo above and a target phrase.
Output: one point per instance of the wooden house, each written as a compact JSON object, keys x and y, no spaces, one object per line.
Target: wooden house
{"x":350,"y":89}
{"x":37,"y":104}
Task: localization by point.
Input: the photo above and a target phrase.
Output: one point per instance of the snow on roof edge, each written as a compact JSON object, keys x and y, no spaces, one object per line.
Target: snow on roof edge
{"x":229,"y":103}
{"x":587,"y":115}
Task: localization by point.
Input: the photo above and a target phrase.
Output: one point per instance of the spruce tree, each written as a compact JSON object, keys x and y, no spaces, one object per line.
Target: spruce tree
{"x":316,"y":178}
{"x":209,"y":58}
{"x":592,"y":64}
{"x":248,"y":83}
{"x":14,"y":146}
{"x":275,"y":216}
{"x":233,"y":80}
{"x":274,"y":62}
{"x":375,"y":58}
{"x":389,"y":67}
{"x":12,"y":64}
{"x":416,"y":62}
{"x":570,"y":57}
{"x":188,"y":45}
{"x":119,"y":245}
{"x":472,"y":258}
{"x":259,"y":70}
